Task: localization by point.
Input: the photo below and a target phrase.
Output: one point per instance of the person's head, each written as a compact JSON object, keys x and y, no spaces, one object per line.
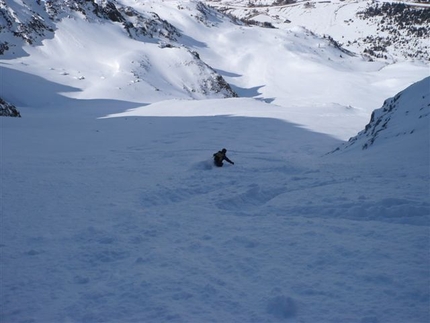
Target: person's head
{"x":224,"y":150}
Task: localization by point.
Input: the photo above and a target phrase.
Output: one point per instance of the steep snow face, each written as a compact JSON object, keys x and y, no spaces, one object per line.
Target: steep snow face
{"x":403,"y":121}
{"x":130,"y":52}
{"x":22,"y":22}
{"x":126,"y":220}
{"x":112,"y":210}
{"x":34,"y":21}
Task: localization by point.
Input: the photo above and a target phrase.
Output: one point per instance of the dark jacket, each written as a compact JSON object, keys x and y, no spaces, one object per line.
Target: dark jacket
{"x":219,"y":157}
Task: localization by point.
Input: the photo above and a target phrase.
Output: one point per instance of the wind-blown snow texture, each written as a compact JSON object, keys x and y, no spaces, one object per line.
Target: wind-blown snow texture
{"x":111,"y":210}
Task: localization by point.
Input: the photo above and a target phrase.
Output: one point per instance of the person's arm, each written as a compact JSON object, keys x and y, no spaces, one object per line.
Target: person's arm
{"x":228,"y":160}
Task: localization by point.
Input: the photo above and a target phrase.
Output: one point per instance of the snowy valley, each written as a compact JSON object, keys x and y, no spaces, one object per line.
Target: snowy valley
{"x":111,"y":207}
{"x":375,"y":29}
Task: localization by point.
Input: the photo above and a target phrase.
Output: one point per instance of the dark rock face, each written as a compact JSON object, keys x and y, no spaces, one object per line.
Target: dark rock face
{"x":8,"y":110}
{"x":27,"y":24}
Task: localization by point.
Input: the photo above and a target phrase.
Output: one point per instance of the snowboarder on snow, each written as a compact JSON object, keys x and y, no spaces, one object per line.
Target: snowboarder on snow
{"x":220,"y":156}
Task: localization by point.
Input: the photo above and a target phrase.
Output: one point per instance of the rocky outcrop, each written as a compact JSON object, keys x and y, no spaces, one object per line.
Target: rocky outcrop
{"x":8,"y":110}
{"x":30,"y":22}
{"x":23,"y":23}
{"x":404,"y":117}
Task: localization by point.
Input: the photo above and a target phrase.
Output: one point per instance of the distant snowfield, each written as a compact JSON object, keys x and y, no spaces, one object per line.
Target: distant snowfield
{"x":111,"y":209}
{"x":335,"y":18}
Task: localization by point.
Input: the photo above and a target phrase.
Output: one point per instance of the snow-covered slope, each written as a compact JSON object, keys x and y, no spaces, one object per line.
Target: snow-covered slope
{"x":375,"y":29}
{"x":402,"y":121}
{"x":110,"y":45}
{"x":194,"y":52}
{"x":111,"y":209}
{"x":125,"y":219}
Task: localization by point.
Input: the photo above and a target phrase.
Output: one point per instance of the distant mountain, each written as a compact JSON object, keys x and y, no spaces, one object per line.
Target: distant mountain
{"x":29,"y":22}
{"x":32,"y":21}
{"x":403,"y":120}
{"x":377,"y":30}
{"x":142,"y":52}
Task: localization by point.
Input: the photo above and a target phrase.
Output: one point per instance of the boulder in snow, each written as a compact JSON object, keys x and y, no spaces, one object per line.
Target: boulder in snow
{"x":8,"y":110}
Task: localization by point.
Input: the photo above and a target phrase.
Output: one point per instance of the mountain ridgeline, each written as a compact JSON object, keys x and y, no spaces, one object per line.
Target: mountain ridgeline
{"x":402,"y":117}
{"x":376,"y":30}
{"x":33,"y":21}
{"x":29,"y":23}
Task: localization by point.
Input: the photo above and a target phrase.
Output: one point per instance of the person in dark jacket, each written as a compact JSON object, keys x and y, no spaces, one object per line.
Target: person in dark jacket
{"x":220,"y":156}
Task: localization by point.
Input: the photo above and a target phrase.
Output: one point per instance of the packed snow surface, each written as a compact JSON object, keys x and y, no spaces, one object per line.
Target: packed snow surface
{"x":112,"y":211}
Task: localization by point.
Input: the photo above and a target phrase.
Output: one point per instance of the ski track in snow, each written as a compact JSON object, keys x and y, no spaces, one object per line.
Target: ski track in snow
{"x":139,"y":227}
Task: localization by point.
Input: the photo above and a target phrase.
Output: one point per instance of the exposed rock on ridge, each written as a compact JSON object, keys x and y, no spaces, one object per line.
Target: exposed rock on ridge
{"x":29,"y":22}
{"x":403,"y":116}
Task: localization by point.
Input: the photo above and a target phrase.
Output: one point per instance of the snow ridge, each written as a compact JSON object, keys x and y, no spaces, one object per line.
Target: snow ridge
{"x":23,"y":22}
{"x":34,"y":21}
{"x":37,"y":23}
{"x":404,"y":115}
